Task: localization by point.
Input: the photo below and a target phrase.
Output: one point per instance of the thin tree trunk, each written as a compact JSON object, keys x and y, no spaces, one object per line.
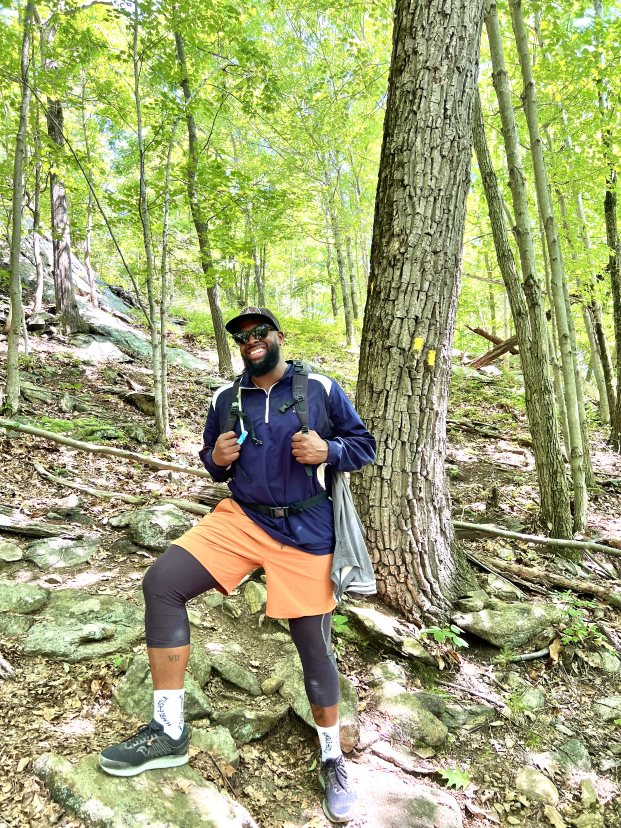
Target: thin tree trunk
{"x":403,"y":378}
{"x":90,"y":276}
{"x":340,"y":263}
{"x":36,"y":215}
{"x":200,"y":223}
{"x":560,"y":296}
{"x":555,"y":508}
{"x":143,"y":207}
{"x":352,"y":279}
{"x":164,"y":289}
{"x":11,"y":401}
{"x":66,"y":305}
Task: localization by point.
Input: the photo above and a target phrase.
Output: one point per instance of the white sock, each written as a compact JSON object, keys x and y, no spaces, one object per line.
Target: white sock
{"x":330,"y":741}
{"x":168,"y":711}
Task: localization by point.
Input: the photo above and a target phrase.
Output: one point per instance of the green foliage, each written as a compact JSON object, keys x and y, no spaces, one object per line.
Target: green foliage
{"x":446,"y":635}
{"x":339,"y":623}
{"x":454,"y":777}
{"x":576,"y":627}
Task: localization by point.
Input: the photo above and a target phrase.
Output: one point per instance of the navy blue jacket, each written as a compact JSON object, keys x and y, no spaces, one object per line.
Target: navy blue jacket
{"x":269,"y":473}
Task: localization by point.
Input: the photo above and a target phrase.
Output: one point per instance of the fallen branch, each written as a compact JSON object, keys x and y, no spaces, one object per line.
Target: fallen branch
{"x":187,"y":505}
{"x":544,"y":653}
{"x":71,"y":484}
{"x":94,"y":448}
{"x":551,"y":579}
{"x":482,"y":431}
{"x":495,"y":340}
{"x":496,"y":531}
{"x":494,"y":354}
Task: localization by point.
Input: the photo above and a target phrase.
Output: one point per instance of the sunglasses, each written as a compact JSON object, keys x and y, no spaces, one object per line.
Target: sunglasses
{"x":259,"y":332}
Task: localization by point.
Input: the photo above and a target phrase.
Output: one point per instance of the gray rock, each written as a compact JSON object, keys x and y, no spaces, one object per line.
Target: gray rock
{"x":199,"y":665}
{"x":236,"y":674}
{"x":19,"y":524}
{"x":536,"y":786}
{"x":154,"y":527}
{"x":95,"y":349}
{"x":22,"y":599}
{"x":589,"y":820}
{"x":231,"y":608}
{"x":34,"y":393}
{"x":473,"y":601}
{"x":180,"y":798}
{"x":272,"y":685}
{"x":134,"y":693}
{"x":499,"y":587}
{"x":255,"y":595}
{"x":14,"y":627}
{"x":218,"y":742}
{"x":608,"y":708}
{"x":601,"y":660}
{"x":409,"y":720}
{"x":532,"y":699}
{"x":511,"y":625}
{"x":10,"y":552}
{"x":142,"y":400}
{"x":96,"y":632}
{"x":60,"y":634}
{"x":247,"y":725}
{"x":293,"y":691}
{"x":388,"y":671}
{"x":467,"y":717}
{"x":432,"y":808}
{"x":387,"y":631}
{"x":61,"y":553}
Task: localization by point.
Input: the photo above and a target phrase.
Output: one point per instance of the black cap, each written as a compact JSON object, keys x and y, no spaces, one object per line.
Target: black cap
{"x":261,"y":313}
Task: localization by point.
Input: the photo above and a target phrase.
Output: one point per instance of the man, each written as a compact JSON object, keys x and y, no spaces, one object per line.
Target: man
{"x":280,"y":518}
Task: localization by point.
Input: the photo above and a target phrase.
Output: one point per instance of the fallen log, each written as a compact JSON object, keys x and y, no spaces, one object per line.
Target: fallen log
{"x":94,"y":448}
{"x":496,"y":531}
{"x":496,"y":340}
{"x":494,"y":354}
{"x":549,"y":579}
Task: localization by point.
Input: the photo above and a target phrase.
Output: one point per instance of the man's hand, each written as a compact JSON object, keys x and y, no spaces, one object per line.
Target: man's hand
{"x":226,"y":449}
{"x":309,"y":448}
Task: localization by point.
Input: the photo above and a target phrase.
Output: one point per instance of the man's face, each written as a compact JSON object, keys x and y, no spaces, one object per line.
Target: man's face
{"x":260,"y":354}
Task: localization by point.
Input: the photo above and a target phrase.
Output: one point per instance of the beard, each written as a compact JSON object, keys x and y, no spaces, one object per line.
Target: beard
{"x":266,"y":364}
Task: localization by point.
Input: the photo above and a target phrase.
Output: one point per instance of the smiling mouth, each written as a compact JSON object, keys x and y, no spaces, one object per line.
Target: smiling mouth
{"x":256,"y":351}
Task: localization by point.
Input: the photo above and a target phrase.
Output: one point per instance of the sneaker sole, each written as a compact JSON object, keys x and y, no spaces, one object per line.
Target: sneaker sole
{"x":332,"y":818}
{"x":117,"y":769}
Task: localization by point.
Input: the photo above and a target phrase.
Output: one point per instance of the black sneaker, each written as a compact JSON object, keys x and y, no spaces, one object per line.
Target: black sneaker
{"x":147,"y":749}
{"x":340,"y":798}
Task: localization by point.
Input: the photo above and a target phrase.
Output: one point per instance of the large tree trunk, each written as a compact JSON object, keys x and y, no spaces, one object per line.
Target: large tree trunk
{"x":11,"y":401}
{"x":409,"y":319}
{"x":89,"y":210}
{"x":36,"y":215}
{"x":531,"y":330}
{"x":200,"y":223}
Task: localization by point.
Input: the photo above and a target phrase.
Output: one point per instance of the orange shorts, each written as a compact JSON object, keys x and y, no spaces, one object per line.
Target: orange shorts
{"x":230,"y":546}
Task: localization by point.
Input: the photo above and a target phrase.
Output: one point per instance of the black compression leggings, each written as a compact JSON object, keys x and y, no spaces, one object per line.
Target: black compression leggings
{"x":177,"y":576}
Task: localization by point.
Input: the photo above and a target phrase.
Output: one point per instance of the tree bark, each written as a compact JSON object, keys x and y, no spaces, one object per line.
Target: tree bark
{"x":531,"y":333}
{"x":11,"y":401}
{"x":200,"y":223}
{"x":36,"y":214}
{"x":352,"y":279}
{"x":340,"y":264}
{"x":403,"y":378}
{"x":89,"y":210}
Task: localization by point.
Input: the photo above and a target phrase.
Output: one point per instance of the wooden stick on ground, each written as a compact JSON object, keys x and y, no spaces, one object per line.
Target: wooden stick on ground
{"x":187,"y":505}
{"x":605,"y":593}
{"x":490,"y":529}
{"x":94,"y":448}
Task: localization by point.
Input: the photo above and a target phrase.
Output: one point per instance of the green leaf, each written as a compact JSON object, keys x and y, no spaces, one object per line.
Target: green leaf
{"x":454,"y":778}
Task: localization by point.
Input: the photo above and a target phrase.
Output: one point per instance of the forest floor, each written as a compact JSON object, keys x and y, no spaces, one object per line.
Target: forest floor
{"x":68,"y":709}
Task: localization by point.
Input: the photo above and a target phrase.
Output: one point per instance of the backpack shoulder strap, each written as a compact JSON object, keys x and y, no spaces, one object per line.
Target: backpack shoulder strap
{"x":234,"y":410}
{"x":299,"y":388}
